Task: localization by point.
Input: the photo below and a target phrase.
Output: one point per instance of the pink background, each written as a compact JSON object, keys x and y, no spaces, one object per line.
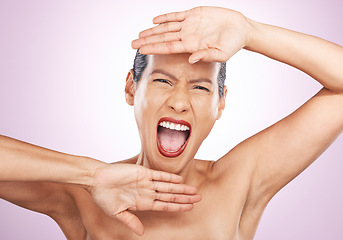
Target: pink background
{"x":62,"y":72}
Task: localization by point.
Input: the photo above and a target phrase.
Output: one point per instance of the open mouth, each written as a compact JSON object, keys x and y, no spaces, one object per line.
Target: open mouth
{"x":172,"y":136}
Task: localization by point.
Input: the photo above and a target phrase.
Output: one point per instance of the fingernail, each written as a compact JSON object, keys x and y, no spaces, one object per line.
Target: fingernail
{"x":195,"y":61}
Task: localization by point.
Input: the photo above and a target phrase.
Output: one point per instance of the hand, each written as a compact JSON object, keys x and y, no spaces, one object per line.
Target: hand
{"x":209,"y":33}
{"x":118,"y":188}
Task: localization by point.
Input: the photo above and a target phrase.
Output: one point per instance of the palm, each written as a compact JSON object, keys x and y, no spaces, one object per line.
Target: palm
{"x":121,"y":187}
{"x":209,"y":33}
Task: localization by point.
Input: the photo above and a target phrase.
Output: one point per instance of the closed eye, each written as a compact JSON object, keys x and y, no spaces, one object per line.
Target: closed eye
{"x":162,"y":81}
{"x":201,"y":88}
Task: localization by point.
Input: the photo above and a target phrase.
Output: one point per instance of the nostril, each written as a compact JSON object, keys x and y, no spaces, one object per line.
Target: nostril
{"x":178,"y":109}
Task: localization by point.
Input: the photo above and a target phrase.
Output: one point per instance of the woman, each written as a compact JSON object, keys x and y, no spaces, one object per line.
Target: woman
{"x":176,"y":103}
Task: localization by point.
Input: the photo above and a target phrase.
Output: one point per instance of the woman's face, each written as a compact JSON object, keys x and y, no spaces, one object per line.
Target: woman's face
{"x":176,"y":105}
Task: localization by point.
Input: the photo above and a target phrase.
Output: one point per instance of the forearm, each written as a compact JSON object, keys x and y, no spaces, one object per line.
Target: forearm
{"x":317,"y":57}
{"x":20,"y":161}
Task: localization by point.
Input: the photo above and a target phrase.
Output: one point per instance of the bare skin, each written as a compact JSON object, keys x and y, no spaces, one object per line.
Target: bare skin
{"x":39,"y":179}
{"x":234,"y":189}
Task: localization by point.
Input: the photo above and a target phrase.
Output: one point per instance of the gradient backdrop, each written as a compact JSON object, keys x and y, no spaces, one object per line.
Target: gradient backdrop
{"x":62,"y":72}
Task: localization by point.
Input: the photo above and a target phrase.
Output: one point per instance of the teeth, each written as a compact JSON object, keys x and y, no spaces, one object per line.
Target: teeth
{"x":173,"y":126}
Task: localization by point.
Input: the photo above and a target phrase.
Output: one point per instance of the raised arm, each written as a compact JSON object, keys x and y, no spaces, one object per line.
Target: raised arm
{"x":282,"y":151}
{"x":285,"y":149}
{"x":33,"y":177}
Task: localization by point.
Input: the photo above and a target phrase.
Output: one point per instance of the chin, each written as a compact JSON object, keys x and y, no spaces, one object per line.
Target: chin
{"x":171,"y":168}
{"x":173,"y":164}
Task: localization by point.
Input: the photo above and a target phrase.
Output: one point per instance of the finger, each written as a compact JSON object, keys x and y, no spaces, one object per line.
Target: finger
{"x":131,"y":221}
{"x":165,"y":177}
{"x":163,"y":48}
{"x":160,"y":38}
{"x":164,"y":187}
{"x":171,"y":17}
{"x":208,"y":55}
{"x":171,"y":207}
{"x":197,"y":56}
{"x":162,"y":28}
{"x":177,"y":198}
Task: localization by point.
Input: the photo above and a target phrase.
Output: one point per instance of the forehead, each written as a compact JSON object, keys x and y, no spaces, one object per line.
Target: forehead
{"x":178,"y":65}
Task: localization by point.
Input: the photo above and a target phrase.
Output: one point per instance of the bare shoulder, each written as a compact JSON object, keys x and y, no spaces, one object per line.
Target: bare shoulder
{"x":233,"y":176}
{"x":236,"y":171}
{"x":238,"y":162}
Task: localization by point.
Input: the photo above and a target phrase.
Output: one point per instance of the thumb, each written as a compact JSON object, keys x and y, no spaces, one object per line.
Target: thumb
{"x":131,"y":221}
{"x":208,"y":55}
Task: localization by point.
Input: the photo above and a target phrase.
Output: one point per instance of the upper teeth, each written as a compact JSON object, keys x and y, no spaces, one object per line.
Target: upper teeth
{"x":173,"y":126}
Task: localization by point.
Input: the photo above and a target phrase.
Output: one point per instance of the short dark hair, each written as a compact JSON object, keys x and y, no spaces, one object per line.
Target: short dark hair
{"x":141,"y":61}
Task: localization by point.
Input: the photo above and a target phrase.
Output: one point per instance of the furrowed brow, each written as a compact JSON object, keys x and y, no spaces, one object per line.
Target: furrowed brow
{"x":200,"y":80}
{"x":164,"y":73}
{"x":175,"y":78}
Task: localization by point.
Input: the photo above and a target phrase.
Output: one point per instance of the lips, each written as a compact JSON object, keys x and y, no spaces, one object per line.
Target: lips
{"x":172,"y":136}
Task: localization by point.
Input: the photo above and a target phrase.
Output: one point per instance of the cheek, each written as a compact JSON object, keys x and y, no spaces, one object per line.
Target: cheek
{"x":140,"y":105}
{"x":146,"y":105}
{"x":206,"y":113}
{"x":214,"y":107}
{"x":206,"y":109}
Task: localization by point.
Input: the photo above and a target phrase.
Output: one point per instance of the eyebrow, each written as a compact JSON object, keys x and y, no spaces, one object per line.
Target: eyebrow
{"x":175,"y":78}
{"x":164,"y":73}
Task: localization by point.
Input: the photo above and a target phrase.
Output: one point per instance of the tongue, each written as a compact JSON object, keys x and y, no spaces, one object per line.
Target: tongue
{"x":171,"y":140}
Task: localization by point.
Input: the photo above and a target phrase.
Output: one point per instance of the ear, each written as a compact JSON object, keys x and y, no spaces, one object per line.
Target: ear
{"x":222,"y":104}
{"x":130,"y":88}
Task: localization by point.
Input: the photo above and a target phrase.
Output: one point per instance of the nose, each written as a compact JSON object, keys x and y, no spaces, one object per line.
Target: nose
{"x":178,"y":101}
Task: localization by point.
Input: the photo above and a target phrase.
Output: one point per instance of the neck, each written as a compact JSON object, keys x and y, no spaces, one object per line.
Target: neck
{"x":143,"y":160}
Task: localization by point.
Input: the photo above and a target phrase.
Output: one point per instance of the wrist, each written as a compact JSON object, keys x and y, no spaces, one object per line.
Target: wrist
{"x":251,"y":34}
{"x":84,"y":171}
